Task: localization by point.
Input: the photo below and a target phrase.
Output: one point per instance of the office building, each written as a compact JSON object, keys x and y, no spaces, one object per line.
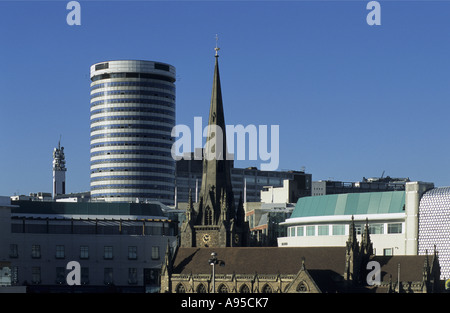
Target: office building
{"x":119,"y":246}
{"x":325,"y":220}
{"x":132,"y":116}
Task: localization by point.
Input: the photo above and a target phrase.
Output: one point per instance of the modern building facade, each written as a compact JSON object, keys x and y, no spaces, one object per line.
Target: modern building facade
{"x":132,"y":116}
{"x":434,"y":226}
{"x":392,"y":216}
{"x":119,"y":246}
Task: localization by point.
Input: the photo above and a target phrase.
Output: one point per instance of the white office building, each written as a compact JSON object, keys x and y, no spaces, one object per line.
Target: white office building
{"x":392,"y":216}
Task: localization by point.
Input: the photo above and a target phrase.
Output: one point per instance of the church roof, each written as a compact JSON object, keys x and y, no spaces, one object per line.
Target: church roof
{"x":410,"y":267}
{"x":261,"y":260}
{"x":325,"y":265}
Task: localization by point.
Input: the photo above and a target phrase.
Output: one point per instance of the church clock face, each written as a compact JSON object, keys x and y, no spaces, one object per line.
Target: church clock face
{"x":206,"y":238}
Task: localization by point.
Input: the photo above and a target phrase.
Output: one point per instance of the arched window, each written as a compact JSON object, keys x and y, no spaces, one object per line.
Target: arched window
{"x":208,"y":216}
{"x":302,"y":287}
{"x":244,"y":289}
{"x":180,"y":288}
{"x":266,"y":289}
{"x":222,"y":289}
{"x":201,"y":288}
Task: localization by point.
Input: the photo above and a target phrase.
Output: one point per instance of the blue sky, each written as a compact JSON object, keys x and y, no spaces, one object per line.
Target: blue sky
{"x":351,"y":100}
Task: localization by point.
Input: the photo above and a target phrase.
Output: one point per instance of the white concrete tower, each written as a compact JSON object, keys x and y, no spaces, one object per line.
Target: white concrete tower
{"x":59,"y":171}
{"x":132,"y":117}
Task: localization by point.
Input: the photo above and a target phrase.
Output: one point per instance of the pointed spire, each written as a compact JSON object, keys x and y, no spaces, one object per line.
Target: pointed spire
{"x":216,"y":168}
{"x":366,"y":244}
{"x":224,"y":208}
{"x":217,"y":48}
{"x":352,"y":241}
{"x":190,"y":208}
{"x":239,"y":215}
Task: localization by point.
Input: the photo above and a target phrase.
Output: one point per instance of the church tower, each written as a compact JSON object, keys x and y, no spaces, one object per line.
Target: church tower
{"x":214,"y":221}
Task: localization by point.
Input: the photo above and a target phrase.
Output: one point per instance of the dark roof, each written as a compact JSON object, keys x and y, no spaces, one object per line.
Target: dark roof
{"x":86,"y":208}
{"x":325,"y":265}
{"x":411,"y":267}
{"x":261,"y":260}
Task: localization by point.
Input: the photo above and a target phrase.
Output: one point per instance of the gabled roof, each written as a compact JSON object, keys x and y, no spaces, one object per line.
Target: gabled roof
{"x":350,"y":204}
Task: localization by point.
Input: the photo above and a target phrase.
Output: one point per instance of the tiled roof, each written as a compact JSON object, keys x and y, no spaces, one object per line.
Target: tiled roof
{"x":261,"y":260}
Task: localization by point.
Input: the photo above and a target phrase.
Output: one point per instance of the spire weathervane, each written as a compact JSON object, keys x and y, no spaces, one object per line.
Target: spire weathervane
{"x":217,"y":48}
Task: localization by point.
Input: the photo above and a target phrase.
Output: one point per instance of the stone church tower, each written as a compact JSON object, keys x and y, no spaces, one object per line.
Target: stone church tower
{"x":214,"y":221}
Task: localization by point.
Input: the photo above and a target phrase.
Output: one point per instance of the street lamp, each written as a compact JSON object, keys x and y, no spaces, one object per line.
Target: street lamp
{"x":213,"y":261}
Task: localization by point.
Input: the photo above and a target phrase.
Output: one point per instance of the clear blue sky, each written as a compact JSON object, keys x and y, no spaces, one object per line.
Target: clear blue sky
{"x":351,"y":100}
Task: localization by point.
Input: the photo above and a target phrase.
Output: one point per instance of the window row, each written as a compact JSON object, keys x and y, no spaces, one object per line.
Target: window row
{"x":132,"y":75}
{"x":222,"y":288}
{"x":340,"y":229}
{"x":166,"y":155}
{"x":132,"y":126}
{"x":169,"y":104}
{"x":133,"y":169}
{"x":132,"y":177}
{"x":135,"y":186}
{"x":60,"y":252}
{"x":108,"y":276}
{"x":133,"y":109}
{"x":93,"y":227}
{"x":152,"y":144}
{"x":134,"y":160}
{"x":148,"y":118}
{"x":139,"y":84}
{"x":133,"y":92}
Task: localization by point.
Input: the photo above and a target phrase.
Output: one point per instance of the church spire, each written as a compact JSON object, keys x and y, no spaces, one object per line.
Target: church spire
{"x":217,"y":48}
{"x":216,"y":208}
{"x":216,"y":169}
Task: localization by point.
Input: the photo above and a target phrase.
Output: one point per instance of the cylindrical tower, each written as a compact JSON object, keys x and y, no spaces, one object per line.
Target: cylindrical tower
{"x":132,"y":116}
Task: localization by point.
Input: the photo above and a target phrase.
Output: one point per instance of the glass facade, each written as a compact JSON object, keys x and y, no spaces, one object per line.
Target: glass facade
{"x":132,"y":116}
{"x":434,"y":226}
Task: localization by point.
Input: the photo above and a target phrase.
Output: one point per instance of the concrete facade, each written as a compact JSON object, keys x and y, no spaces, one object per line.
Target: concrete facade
{"x":122,"y":253}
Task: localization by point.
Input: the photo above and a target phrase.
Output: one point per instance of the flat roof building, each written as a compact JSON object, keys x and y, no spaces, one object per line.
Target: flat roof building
{"x":119,"y":246}
{"x":392,"y":217}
